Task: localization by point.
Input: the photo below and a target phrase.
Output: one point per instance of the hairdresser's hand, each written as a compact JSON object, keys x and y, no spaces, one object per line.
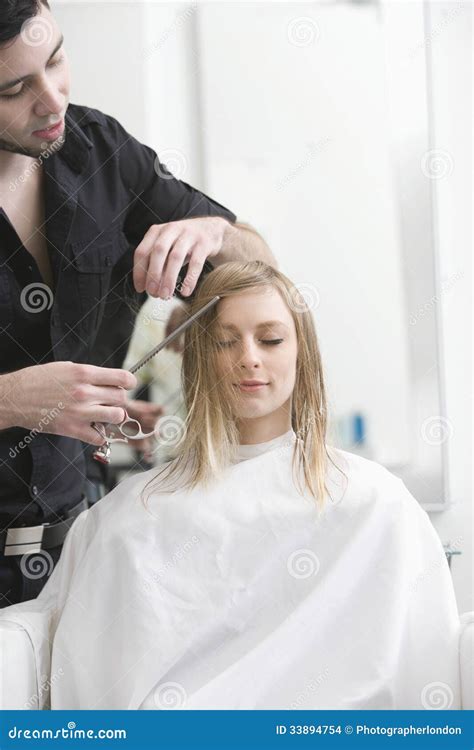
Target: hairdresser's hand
{"x":63,"y":398}
{"x":165,"y":248}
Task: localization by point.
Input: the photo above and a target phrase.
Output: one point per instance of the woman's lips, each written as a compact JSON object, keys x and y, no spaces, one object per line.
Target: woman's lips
{"x":50,"y":133}
{"x":251,"y":388}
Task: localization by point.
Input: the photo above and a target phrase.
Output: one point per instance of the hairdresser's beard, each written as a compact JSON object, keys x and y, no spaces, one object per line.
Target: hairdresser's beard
{"x":49,"y":146}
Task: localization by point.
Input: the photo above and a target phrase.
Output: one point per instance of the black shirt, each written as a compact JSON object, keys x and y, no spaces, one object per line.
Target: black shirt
{"x":103,"y":190}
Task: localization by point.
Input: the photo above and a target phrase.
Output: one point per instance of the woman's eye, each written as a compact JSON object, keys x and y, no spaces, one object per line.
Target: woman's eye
{"x":12,"y":96}
{"x":267,"y":342}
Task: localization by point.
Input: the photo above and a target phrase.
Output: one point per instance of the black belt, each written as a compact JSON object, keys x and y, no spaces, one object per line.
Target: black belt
{"x":24,"y":540}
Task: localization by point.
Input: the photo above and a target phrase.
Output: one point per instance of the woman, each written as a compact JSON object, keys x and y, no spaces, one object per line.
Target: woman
{"x":258,"y":569}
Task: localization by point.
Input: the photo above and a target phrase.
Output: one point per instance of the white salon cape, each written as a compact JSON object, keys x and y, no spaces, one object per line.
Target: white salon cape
{"x":244,"y":596}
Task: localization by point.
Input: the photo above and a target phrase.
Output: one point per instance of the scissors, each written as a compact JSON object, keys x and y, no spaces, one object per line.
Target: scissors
{"x":131,"y":428}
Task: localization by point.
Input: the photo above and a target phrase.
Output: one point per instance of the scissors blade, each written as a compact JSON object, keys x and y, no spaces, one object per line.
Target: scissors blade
{"x":173,"y":335}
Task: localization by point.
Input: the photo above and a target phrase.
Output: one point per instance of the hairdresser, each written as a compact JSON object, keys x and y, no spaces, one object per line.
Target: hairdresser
{"x":90,"y":223}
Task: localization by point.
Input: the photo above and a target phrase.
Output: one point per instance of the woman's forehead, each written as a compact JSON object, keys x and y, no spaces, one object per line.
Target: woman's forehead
{"x":254,"y":308}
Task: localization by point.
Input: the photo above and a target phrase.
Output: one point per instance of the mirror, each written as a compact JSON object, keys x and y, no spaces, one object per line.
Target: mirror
{"x":311,"y":121}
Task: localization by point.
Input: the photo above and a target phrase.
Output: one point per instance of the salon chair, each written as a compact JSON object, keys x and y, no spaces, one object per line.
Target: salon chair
{"x":21,"y":674}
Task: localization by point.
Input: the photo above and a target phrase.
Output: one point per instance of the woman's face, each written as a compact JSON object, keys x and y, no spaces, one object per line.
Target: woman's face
{"x":256,"y":341}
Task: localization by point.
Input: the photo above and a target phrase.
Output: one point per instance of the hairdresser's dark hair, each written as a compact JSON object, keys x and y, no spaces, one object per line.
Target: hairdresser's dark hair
{"x":13,"y":14}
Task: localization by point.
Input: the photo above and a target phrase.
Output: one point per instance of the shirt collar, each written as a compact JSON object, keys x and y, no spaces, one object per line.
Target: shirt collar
{"x":77,"y":145}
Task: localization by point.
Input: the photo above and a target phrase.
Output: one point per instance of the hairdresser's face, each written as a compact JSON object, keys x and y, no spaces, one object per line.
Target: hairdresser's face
{"x":257,"y":341}
{"x":40,"y":100}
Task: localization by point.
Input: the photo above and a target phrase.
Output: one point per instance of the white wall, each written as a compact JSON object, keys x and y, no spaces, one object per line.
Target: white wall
{"x":297,"y":142}
{"x":137,"y":62}
{"x":172,"y":108}
{"x":450,"y":45}
{"x":105,"y":44}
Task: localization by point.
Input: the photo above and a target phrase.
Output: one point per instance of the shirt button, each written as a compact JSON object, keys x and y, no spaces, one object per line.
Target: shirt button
{"x":34,"y":490}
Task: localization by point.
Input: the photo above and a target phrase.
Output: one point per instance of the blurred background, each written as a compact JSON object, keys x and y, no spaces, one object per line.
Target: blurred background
{"x":342,"y":131}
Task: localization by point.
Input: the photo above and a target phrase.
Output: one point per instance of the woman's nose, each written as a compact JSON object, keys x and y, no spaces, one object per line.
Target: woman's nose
{"x":249,"y":355}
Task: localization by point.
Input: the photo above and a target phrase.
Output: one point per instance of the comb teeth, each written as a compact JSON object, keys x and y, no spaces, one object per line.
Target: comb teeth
{"x":173,"y":335}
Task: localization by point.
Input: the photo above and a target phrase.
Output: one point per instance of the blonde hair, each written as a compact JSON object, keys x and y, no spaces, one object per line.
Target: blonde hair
{"x":210,"y":435}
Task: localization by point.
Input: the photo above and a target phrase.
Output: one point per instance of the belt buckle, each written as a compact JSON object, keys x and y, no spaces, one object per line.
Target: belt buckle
{"x":23,"y":540}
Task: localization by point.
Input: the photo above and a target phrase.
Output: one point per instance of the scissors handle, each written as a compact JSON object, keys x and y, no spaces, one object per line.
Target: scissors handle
{"x":138,"y":435}
{"x":100,"y":427}
{"x":102,"y":453}
{"x":134,"y":434}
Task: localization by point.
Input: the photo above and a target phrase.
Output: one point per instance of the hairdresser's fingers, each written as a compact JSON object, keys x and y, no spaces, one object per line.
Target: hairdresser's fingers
{"x":159,"y":238}
{"x":88,"y":435}
{"x":141,"y":257}
{"x":206,"y":232}
{"x":108,"y":376}
{"x":195,"y":266}
{"x":171,"y":268}
{"x":104,"y":414}
{"x":159,"y":258}
{"x":108,"y":396}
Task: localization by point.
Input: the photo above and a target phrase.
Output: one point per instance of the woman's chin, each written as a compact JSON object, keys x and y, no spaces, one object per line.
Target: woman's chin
{"x":253,"y":412}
